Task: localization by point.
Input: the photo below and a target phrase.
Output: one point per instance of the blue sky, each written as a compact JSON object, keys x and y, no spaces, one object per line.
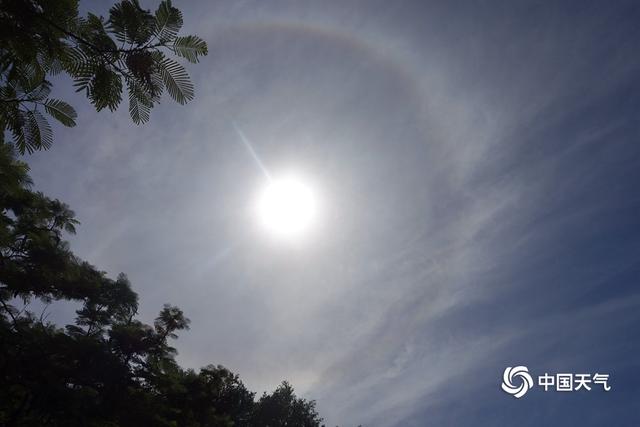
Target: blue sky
{"x":477,"y":164}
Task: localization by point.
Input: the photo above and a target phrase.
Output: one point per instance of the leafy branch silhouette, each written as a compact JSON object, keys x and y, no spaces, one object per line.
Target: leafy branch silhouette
{"x":128,"y":50}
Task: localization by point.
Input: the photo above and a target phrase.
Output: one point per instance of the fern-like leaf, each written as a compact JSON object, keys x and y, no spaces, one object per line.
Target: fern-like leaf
{"x":34,"y":134}
{"x":18,"y":130}
{"x":176,"y":80}
{"x":190,"y":48}
{"x":129,"y":23}
{"x":139,"y":103}
{"x":168,"y":21}
{"x":105,"y":90}
{"x":55,"y":67}
{"x":61,"y":111}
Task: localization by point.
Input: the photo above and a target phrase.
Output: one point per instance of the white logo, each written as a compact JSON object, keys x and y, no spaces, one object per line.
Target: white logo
{"x":563,"y":382}
{"x":511,"y":373}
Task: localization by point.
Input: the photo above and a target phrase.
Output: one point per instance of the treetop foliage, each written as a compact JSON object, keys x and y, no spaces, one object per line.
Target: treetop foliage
{"x":107,"y":368}
{"x":127,"y":51}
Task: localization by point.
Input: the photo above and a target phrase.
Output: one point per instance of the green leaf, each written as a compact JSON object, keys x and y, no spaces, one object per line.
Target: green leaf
{"x":41,"y":91}
{"x":61,"y":111}
{"x":80,"y":66}
{"x":55,"y":67}
{"x":74,"y":60}
{"x":130,"y":23}
{"x":190,"y":48}
{"x":34,"y":132}
{"x":39,"y":124}
{"x":139,"y":103}
{"x":176,"y":80}
{"x":105,"y":90}
{"x":18,"y":130}
{"x":168,"y":21}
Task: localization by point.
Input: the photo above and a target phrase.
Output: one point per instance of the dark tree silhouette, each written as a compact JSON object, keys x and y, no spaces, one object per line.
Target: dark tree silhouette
{"x":283,"y":408}
{"x":107,"y":368}
{"x":103,"y":56}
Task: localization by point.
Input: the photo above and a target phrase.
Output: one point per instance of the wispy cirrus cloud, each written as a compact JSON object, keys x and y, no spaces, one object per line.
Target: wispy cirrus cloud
{"x":476,"y":165}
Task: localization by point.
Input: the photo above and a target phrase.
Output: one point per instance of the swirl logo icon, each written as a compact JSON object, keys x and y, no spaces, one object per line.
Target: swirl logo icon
{"x":515,"y":374}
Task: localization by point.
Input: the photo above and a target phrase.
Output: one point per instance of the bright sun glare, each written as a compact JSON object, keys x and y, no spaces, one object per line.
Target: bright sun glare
{"x":287,"y":207}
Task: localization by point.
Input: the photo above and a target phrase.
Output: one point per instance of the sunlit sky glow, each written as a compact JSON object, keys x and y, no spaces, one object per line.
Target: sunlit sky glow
{"x":287,"y":207}
{"x":465,"y":200}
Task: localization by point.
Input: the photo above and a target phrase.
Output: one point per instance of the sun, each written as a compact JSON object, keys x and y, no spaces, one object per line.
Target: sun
{"x":287,"y":207}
